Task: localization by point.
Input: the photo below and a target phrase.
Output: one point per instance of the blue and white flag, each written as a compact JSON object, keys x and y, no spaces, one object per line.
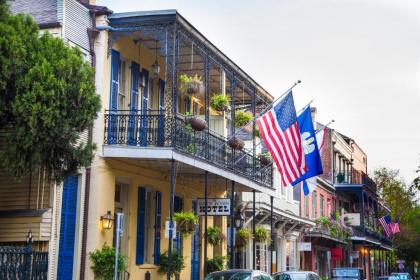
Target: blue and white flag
{"x":310,"y":148}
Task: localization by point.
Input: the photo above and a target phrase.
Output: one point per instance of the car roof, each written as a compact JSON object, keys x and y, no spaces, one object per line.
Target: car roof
{"x":295,"y":272}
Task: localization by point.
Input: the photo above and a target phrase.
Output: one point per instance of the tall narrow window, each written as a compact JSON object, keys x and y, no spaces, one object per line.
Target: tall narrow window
{"x":306,"y":205}
{"x":321,"y":205}
{"x":122,"y":100}
{"x":314,"y":214}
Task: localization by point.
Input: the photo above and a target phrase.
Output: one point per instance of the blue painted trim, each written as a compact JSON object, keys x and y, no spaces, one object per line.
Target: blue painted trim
{"x":158,"y":222}
{"x":141,"y":217}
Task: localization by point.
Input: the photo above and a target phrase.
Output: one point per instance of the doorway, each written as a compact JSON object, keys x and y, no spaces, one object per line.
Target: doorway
{"x":121,"y":206}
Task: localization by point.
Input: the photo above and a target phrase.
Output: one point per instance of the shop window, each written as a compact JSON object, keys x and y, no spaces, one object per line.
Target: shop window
{"x":290,"y":254}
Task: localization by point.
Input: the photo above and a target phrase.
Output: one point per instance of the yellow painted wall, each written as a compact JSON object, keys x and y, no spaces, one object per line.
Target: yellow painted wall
{"x":104,"y":178}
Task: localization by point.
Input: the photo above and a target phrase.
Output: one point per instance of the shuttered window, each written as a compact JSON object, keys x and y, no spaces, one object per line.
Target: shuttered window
{"x":140,"y":225}
{"x":158,"y":224}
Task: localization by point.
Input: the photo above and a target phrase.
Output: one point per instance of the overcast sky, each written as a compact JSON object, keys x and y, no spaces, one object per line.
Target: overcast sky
{"x":359,"y":59}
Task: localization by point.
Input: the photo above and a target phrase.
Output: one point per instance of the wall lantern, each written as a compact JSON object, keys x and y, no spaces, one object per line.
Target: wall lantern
{"x":155,"y":65}
{"x":107,"y":220}
{"x":29,"y":237}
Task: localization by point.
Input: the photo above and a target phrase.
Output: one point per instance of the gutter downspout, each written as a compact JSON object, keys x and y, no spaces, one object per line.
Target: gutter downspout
{"x":92,"y":33}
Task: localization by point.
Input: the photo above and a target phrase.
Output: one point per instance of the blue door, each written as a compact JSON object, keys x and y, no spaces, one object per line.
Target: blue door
{"x":67,"y":228}
{"x":134,"y":104}
{"x":144,"y":105}
{"x":113,"y":98}
{"x":195,"y":250}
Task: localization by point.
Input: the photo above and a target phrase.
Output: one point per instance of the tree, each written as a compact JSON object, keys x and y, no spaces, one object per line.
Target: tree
{"x":47,"y":99}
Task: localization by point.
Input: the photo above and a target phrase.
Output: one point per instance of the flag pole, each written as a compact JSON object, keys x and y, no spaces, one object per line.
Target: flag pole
{"x":326,"y":125}
{"x":257,"y":116}
{"x":304,"y":107}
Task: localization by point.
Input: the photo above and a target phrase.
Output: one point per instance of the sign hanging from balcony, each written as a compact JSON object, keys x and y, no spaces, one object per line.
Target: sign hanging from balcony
{"x":304,"y":246}
{"x":215,"y":207}
{"x":336,"y":254}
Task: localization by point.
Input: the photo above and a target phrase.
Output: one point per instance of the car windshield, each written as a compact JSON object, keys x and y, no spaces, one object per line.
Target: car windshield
{"x":346,"y":273}
{"x":229,"y":275}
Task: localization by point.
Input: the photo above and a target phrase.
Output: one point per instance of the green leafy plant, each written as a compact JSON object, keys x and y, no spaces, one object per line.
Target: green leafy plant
{"x":257,"y":132}
{"x":191,"y":85}
{"x":243,"y":236}
{"x":323,"y":221}
{"x":215,"y":236}
{"x":47,"y":98}
{"x":242,"y":118}
{"x":186,"y":222}
{"x":176,"y":265}
{"x":220,"y":102}
{"x":216,"y":264}
{"x":261,"y":235}
{"x":103,"y":261}
{"x":191,"y":148}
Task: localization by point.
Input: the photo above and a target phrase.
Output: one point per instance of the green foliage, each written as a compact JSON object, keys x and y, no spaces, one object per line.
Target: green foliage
{"x":191,"y":148}
{"x":216,"y":264}
{"x":215,"y":236}
{"x":220,"y":102}
{"x":176,"y":265}
{"x":323,"y":221}
{"x":261,"y":235}
{"x":242,"y":118}
{"x":257,"y":132}
{"x":243,"y":236}
{"x":186,"y":222}
{"x":104,"y":263}
{"x":47,"y":98}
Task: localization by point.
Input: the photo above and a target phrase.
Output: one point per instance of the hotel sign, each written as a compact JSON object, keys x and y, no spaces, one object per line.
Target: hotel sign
{"x":215,"y":207}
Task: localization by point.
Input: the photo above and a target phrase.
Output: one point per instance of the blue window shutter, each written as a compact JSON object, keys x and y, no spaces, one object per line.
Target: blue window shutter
{"x":141,"y":217}
{"x":67,"y":228}
{"x":113,"y":97}
{"x":158,"y":221}
{"x":161,"y":121}
{"x":144,"y":120}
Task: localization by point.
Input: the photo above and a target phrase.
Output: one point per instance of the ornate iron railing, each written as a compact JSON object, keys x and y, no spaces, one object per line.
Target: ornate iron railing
{"x":22,"y":263}
{"x":147,"y":129}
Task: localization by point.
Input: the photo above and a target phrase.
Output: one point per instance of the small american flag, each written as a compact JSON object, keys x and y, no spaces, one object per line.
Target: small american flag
{"x":280,"y":132}
{"x":386,"y":224}
{"x":395,"y":227}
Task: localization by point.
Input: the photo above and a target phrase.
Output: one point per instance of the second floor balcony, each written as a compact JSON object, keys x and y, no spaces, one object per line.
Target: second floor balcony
{"x":152,"y":130}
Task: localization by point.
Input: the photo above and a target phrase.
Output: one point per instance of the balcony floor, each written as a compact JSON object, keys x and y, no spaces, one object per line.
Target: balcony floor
{"x":159,"y":157}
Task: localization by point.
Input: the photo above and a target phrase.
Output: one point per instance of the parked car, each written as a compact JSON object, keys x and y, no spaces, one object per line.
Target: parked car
{"x":347,"y":273}
{"x":402,"y":275}
{"x":389,"y":277}
{"x":238,"y":274}
{"x":296,"y":275}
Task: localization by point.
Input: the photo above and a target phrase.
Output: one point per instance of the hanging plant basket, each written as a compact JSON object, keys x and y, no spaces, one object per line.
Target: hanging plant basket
{"x":265,"y":159}
{"x":242,"y":118}
{"x":191,"y":85}
{"x":186,"y":222}
{"x":236,"y":143}
{"x":261,"y":235}
{"x":215,"y":236}
{"x":196,"y":123}
{"x":220,"y":102}
{"x":243,"y":236}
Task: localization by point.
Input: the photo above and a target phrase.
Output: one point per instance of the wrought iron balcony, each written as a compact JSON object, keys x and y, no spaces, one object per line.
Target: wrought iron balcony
{"x":152,"y":129}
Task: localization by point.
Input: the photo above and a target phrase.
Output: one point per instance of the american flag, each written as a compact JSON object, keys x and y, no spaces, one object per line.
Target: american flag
{"x":395,"y":227}
{"x":386,"y":224}
{"x":280,"y":132}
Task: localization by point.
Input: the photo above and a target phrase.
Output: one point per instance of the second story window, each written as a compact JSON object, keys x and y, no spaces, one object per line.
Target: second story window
{"x":122,"y":100}
{"x":306,"y":205}
{"x":314,"y":214}
{"x":321,"y":205}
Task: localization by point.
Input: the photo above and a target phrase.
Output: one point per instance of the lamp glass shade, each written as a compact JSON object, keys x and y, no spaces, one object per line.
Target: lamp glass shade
{"x":142,"y":80}
{"x":156,"y":68}
{"x":107,"y":220}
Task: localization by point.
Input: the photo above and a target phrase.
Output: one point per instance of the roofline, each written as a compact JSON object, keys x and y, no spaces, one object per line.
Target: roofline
{"x":174,"y":15}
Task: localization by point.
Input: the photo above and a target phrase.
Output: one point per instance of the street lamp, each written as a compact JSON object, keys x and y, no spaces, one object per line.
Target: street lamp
{"x":239,"y":219}
{"x":155,"y":65}
{"x":29,"y":237}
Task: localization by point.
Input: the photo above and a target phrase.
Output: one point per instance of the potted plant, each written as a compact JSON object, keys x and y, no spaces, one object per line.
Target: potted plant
{"x":340,"y":177}
{"x":220,"y":102}
{"x":176,"y":265}
{"x":195,"y":122}
{"x":236,"y":143}
{"x":191,"y":85}
{"x":323,"y":222}
{"x":215,"y":236}
{"x":103,"y":263}
{"x":243,"y":236}
{"x":242,"y":118}
{"x":186,"y":222}
{"x":216,"y":264}
{"x":265,"y":158}
{"x":261,"y":235}
{"x":257,"y":132}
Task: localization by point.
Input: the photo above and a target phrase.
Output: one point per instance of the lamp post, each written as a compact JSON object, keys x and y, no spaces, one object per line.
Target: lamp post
{"x":239,"y":223}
